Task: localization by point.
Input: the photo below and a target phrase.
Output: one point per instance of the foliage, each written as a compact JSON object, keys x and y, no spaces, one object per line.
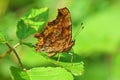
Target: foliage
{"x":98,"y":44}
{"x":41,"y":73}
{"x":29,"y":25}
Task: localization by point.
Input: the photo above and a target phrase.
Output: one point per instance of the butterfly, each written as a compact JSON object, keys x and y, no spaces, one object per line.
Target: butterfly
{"x":56,"y":37}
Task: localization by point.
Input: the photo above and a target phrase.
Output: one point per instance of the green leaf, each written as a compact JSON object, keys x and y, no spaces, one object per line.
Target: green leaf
{"x":41,"y":73}
{"x":76,"y":69}
{"x":23,"y":30}
{"x":37,"y":17}
{"x":37,"y":14}
{"x":28,"y":44}
{"x":2,"y":38}
{"x":31,"y":22}
{"x":18,"y":74}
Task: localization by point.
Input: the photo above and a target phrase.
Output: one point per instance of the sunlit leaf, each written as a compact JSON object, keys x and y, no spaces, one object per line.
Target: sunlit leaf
{"x":41,"y":73}
{"x":23,"y":30}
{"x":31,"y":22}
{"x":76,"y":67}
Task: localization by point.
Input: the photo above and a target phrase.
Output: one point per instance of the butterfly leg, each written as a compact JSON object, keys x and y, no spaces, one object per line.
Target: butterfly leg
{"x":72,"y":55}
{"x":59,"y":55}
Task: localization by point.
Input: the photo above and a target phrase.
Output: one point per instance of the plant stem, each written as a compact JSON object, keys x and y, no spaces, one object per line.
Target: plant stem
{"x":4,"y":54}
{"x":9,"y":51}
{"x":12,"y":49}
{"x":16,"y":45}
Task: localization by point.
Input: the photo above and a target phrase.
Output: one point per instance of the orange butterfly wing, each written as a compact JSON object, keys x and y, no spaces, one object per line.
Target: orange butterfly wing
{"x":57,"y":35}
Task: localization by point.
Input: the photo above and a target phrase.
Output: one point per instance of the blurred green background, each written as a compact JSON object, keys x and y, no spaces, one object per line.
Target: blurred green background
{"x":98,"y":44}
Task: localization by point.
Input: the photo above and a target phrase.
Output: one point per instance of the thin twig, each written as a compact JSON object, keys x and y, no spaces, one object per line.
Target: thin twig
{"x":9,"y":51}
{"x":6,"y":53}
{"x":11,"y":48}
{"x":16,"y":45}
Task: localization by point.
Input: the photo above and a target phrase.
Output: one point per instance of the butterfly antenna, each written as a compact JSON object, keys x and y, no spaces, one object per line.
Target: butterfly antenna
{"x":78,"y":31}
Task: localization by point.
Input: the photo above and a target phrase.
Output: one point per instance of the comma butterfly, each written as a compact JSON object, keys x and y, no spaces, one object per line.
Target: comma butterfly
{"x":57,"y":35}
